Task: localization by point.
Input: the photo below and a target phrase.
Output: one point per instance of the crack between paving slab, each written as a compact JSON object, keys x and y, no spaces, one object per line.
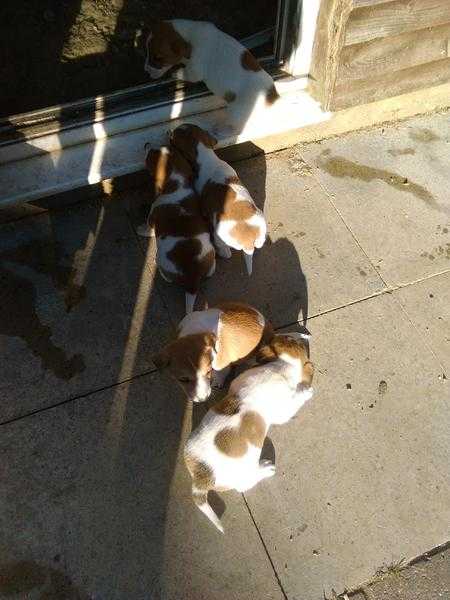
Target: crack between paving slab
{"x":79,"y":397}
{"x":387,"y":290}
{"x":329,"y":195}
{"x":422,"y":335}
{"x":285,"y":596}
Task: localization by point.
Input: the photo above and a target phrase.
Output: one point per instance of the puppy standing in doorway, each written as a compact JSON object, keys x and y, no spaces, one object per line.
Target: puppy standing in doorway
{"x":236,"y":221}
{"x":224,"y":451}
{"x":207,"y":54}
{"x":185,"y":255}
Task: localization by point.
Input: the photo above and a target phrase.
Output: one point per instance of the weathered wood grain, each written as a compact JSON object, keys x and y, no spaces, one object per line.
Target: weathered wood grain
{"x":394,"y":18}
{"x":385,"y":55}
{"x":328,"y":43}
{"x":352,"y":93}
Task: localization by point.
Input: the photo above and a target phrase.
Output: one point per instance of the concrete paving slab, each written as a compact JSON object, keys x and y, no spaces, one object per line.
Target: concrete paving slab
{"x":79,"y":310}
{"x":426,"y":579}
{"x":391,"y":187}
{"x":362,"y":473}
{"x":428,"y":306}
{"x":91,"y":507}
{"x":311,"y":262}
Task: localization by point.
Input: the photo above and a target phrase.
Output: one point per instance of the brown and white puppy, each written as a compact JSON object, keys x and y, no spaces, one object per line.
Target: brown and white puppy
{"x":236,"y":221}
{"x":185,"y":254}
{"x":224,"y":452}
{"x":208,"y":342}
{"x":207,"y":54}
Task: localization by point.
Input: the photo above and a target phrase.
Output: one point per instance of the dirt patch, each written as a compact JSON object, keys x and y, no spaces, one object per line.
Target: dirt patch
{"x":56,"y":51}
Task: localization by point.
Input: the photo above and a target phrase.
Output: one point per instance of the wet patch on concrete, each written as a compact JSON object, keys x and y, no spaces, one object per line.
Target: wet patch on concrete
{"x":401,"y":151}
{"x":47,"y":258}
{"x":22,"y":577}
{"x":422,"y":135}
{"x":440,"y":251}
{"x":338,"y":166}
{"x":19,"y":318}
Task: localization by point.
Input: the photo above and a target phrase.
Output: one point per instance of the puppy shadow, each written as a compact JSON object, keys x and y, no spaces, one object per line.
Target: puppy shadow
{"x":268,"y":451}
{"x":278,"y":285}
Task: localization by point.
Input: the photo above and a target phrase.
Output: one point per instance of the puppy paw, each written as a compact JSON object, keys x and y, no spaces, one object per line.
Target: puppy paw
{"x":267,"y":468}
{"x":145,"y":231}
{"x":224,"y":252}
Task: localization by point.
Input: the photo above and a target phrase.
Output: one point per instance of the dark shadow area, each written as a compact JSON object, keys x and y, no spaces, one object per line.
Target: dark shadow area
{"x":97,"y":486}
{"x":56,"y":51}
{"x":278,"y":286}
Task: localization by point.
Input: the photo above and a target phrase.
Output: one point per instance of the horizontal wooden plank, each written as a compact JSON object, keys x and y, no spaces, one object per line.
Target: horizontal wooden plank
{"x":359,"y":3}
{"x":353,"y":93}
{"x":385,"y":55}
{"x":395,"y":18}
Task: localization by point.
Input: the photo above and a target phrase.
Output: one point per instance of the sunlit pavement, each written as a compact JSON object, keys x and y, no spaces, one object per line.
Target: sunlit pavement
{"x":95,"y":501}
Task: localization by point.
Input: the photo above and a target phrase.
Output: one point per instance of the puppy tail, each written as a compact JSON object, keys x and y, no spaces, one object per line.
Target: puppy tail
{"x":190,"y":302}
{"x":200,"y":498}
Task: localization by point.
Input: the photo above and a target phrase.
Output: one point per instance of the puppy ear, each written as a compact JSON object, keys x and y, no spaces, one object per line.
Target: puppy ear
{"x":210,"y":340}
{"x":181,"y":48}
{"x":208,"y":139}
{"x":162,"y":359}
{"x":157,"y":165}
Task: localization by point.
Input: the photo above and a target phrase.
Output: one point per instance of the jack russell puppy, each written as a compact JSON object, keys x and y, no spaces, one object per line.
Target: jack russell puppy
{"x":185,"y":254}
{"x":224,"y":451}
{"x":212,"y":340}
{"x":236,"y":221}
{"x":207,"y":54}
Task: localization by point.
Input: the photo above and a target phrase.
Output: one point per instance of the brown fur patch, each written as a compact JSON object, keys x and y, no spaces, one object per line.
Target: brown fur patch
{"x":168,"y":219}
{"x":184,"y":255}
{"x":282,"y":344}
{"x":245,"y":234}
{"x":221,"y":201}
{"x":202,"y":475}
{"x":249,"y":62}
{"x":234,"y":441}
{"x":166,"y":46}
{"x":272,"y":95}
{"x":161,"y":165}
{"x":233,"y":179}
{"x":187,"y":355}
{"x":186,"y":138}
{"x":229,"y":96}
{"x":240,"y":333}
{"x":227,"y":406}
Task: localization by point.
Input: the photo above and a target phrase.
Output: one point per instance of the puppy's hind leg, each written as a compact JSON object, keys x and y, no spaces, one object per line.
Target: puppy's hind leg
{"x":190,"y":302}
{"x":147,"y":229}
{"x":263,"y":470}
{"x":222,"y":249}
{"x":200,"y":498}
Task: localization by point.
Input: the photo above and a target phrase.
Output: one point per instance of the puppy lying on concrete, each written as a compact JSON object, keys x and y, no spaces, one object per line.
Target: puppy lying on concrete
{"x":207,"y":54}
{"x":185,"y":254}
{"x":223,"y":453}
{"x":212,"y":340}
{"x":236,"y":221}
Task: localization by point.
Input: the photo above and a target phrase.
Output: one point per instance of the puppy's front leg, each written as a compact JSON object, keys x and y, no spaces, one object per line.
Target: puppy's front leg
{"x":263,"y":470}
{"x":222,"y":249}
{"x":219,"y":377}
{"x":147,"y":229}
{"x":185,"y":74}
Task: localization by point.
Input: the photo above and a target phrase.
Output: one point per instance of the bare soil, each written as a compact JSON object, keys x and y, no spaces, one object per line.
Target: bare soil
{"x":55,"y":51}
